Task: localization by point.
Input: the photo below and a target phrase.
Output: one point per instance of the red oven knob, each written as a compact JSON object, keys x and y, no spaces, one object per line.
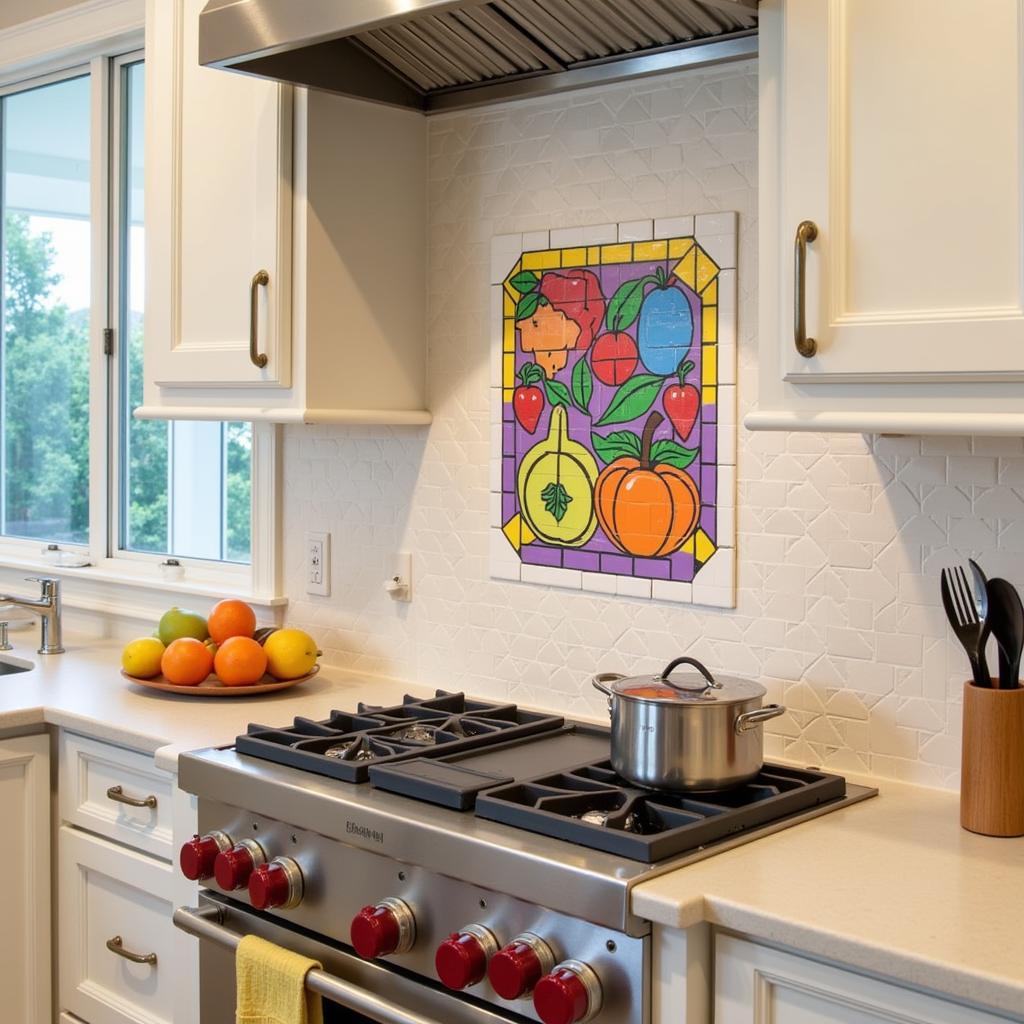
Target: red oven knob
{"x":233,"y":867}
{"x":461,"y":960}
{"x":571,"y":993}
{"x":386,"y":927}
{"x":277,"y":884}
{"x":515,"y":969}
{"x":199,"y":853}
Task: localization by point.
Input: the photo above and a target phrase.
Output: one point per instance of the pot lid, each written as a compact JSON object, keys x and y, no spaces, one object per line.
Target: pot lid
{"x":675,"y":687}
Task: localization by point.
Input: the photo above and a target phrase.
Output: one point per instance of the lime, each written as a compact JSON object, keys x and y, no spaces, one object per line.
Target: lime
{"x":180,"y":622}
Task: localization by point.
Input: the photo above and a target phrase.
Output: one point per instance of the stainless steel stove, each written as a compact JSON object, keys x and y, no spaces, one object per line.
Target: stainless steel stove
{"x":453,"y":859}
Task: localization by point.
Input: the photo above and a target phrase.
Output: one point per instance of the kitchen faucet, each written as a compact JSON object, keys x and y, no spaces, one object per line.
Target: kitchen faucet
{"x":47,"y":607}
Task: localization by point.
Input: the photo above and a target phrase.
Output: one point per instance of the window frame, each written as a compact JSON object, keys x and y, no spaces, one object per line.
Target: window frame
{"x":67,"y":45}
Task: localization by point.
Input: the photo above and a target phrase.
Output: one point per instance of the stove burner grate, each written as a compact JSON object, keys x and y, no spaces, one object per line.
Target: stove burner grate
{"x":344,"y":745}
{"x":591,"y":806}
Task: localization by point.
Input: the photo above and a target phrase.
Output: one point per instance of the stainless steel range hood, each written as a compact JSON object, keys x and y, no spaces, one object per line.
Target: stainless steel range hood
{"x":435,"y":55}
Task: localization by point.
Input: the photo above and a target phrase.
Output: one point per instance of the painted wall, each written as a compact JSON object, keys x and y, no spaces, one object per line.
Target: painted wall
{"x":13,"y":12}
{"x":840,"y":538}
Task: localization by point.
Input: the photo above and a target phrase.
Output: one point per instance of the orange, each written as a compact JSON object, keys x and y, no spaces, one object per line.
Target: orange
{"x":186,"y":662}
{"x":231,"y":618}
{"x":240,"y":661}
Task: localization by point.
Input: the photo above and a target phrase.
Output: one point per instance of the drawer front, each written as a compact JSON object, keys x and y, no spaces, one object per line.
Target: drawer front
{"x":107,"y":891}
{"x":95,"y":774}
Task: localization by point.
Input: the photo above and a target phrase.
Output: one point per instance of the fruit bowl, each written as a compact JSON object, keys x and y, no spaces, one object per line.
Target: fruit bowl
{"x":213,"y":687}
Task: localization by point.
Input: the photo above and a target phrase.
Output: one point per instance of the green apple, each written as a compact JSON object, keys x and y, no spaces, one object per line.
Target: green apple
{"x":180,"y":622}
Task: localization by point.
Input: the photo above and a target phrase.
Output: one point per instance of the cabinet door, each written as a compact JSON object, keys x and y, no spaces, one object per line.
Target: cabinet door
{"x":107,"y":892}
{"x":758,"y":985}
{"x":25,"y":867}
{"x":218,"y":212}
{"x":900,"y":131}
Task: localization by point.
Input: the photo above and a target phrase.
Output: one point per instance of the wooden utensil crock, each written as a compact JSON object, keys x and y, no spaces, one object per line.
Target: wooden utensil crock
{"x":992,"y":761}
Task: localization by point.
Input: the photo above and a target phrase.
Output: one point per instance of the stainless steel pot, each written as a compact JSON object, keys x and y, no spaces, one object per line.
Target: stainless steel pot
{"x":692,"y":734}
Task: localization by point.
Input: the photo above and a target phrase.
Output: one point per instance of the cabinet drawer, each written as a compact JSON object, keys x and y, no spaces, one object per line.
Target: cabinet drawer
{"x":90,"y":774}
{"x":107,"y":891}
{"x":759,"y":983}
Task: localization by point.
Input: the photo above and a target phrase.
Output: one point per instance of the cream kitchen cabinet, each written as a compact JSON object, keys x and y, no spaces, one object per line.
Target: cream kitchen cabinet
{"x":285,"y":245}
{"x":756,"y":984}
{"x":25,"y":867}
{"x":897,"y":131}
{"x":122,"y":821}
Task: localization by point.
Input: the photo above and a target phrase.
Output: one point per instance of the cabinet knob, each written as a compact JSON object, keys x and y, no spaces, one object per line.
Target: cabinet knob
{"x":807,"y":231}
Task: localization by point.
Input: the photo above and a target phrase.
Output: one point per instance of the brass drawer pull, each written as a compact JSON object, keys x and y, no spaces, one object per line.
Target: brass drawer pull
{"x":807,"y":231}
{"x":116,"y":945}
{"x":261,"y":277}
{"x":117,"y":794}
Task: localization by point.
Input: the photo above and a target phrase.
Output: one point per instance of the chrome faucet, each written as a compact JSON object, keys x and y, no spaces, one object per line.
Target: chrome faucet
{"x":47,"y":607}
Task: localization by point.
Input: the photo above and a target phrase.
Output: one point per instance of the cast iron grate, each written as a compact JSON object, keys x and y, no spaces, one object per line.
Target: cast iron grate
{"x":591,"y":806}
{"x":344,"y":745}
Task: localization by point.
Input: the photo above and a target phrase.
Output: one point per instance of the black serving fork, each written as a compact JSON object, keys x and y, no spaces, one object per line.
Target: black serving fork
{"x":958,"y":600}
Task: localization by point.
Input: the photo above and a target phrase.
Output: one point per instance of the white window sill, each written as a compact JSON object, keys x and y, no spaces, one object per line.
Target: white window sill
{"x":139,"y":591}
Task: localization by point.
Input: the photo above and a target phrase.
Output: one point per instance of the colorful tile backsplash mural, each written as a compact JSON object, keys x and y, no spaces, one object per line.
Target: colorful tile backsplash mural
{"x":613,"y":386}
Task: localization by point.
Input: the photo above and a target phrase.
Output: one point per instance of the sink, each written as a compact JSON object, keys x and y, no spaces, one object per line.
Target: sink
{"x":10,"y":668}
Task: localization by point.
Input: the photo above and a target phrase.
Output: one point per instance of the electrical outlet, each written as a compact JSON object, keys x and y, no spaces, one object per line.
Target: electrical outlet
{"x":318,"y":564}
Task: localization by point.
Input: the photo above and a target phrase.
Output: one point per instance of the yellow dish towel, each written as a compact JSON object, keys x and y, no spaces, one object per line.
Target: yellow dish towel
{"x":272,"y":985}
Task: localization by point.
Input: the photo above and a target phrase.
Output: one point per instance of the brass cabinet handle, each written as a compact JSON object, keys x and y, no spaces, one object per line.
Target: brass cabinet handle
{"x":807,"y":231}
{"x":261,"y":277}
{"x":118,"y":795}
{"x":116,"y":945}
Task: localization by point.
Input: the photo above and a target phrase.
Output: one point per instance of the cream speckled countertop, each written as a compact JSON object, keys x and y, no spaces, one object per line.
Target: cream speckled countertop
{"x":83,"y":690}
{"x":892,"y":885}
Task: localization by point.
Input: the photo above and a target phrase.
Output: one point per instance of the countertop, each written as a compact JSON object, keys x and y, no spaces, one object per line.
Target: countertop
{"x":892,"y":886}
{"x":83,"y":690}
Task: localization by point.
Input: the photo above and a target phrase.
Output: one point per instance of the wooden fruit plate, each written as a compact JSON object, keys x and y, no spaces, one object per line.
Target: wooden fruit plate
{"x":213,"y":687}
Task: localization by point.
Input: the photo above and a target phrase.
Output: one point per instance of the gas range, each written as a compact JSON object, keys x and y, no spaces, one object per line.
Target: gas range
{"x":477,"y":844}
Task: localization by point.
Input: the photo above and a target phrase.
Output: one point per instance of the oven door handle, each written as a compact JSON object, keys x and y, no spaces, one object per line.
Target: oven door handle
{"x":205,"y":923}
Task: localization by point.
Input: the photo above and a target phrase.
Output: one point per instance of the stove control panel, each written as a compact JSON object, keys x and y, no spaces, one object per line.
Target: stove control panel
{"x":276,"y":884}
{"x":516,"y":968}
{"x":461,"y":960}
{"x":232,"y":867}
{"x":480,"y":944}
{"x":383,"y":928}
{"x":198,"y":854}
{"x":570,"y":994}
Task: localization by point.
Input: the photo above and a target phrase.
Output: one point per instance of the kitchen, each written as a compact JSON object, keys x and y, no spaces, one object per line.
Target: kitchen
{"x":852,"y":492}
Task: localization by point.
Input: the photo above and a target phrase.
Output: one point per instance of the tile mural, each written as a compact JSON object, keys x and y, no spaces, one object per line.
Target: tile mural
{"x":615,"y":454}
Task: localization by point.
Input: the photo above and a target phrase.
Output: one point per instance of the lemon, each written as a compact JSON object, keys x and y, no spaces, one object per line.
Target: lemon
{"x":290,"y":653}
{"x":141,"y":657}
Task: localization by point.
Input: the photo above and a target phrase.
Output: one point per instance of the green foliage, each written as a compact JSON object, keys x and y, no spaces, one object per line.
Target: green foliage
{"x":46,"y":418}
{"x":46,"y":396}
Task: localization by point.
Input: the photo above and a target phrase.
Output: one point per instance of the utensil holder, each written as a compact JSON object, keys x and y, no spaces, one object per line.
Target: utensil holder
{"x":992,"y":761}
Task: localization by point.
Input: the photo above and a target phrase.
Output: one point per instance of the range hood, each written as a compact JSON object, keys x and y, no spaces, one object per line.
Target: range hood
{"x":435,"y":55}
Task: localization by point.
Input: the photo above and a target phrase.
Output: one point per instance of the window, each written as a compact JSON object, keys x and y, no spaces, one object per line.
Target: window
{"x":78,"y":469}
{"x":184,"y":487}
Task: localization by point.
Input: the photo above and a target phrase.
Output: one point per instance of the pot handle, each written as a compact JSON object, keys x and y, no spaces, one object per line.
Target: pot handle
{"x":598,"y":683}
{"x":712,"y":683}
{"x":752,"y":719}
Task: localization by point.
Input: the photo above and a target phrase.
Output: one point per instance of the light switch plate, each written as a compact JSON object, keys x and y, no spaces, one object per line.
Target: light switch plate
{"x":318,"y":563}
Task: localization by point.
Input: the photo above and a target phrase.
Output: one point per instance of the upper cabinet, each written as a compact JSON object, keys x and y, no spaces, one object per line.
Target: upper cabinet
{"x":891,"y":219}
{"x":285,"y":245}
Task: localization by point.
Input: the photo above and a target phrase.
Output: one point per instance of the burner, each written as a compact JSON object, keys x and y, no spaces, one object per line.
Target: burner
{"x":341,"y":745}
{"x":591,"y":806}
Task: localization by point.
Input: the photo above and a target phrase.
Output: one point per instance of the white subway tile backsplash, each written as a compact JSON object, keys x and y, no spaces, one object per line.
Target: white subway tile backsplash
{"x":840,"y":538}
